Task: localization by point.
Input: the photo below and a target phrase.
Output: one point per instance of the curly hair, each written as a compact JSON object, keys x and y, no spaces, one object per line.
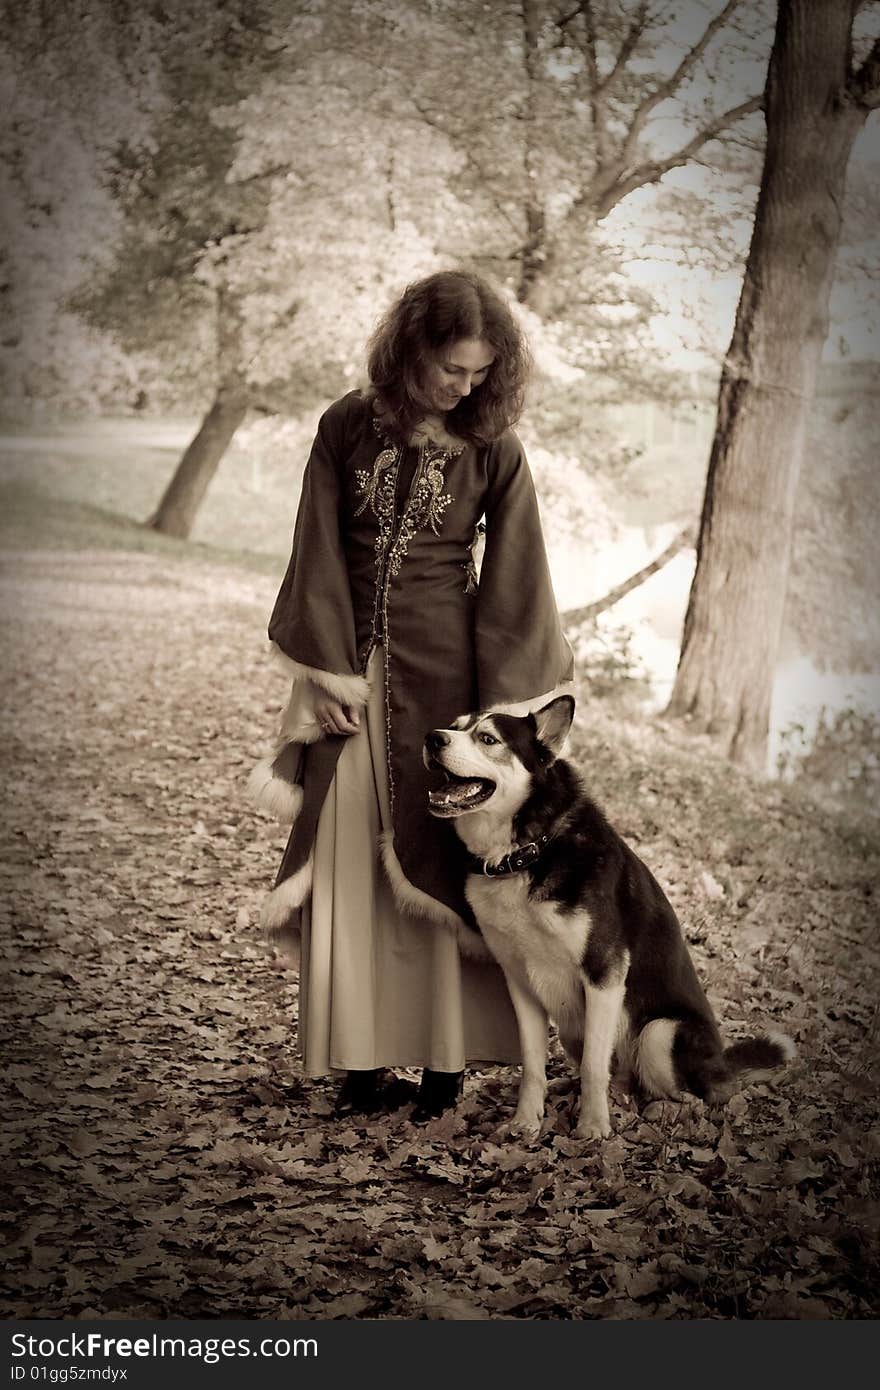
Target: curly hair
{"x":430,"y":315}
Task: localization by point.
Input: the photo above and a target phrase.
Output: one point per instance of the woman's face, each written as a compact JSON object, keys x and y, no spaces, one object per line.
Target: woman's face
{"x":456,"y":371}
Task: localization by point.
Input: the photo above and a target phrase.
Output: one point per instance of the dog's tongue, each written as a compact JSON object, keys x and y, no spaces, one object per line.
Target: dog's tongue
{"x":455,"y":793}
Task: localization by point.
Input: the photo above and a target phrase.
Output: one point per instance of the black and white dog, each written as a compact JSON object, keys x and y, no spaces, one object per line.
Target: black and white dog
{"x":581,"y":928}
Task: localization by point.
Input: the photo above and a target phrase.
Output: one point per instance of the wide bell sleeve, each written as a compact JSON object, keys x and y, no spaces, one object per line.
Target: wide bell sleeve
{"x":522,"y":654}
{"x":312,"y":627}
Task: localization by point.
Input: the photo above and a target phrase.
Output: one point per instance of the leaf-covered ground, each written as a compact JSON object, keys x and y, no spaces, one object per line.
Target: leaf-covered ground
{"x":163,"y":1159}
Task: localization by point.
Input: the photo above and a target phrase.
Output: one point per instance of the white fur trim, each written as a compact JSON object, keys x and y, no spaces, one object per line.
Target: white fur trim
{"x":286,"y":899}
{"x":421,"y":904}
{"x":348,"y":690}
{"x":434,"y":431}
{"x":278,"y":798}
{"x":288,"y":941}
{"x":298,"y":723}
{"x":521,"y":708}
{"x":432,"y":428}
{"x":292,"y":730}
{"x":417,"y":902}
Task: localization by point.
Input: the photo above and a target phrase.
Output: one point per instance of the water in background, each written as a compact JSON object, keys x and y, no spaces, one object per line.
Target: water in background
{"x":654,"y":613}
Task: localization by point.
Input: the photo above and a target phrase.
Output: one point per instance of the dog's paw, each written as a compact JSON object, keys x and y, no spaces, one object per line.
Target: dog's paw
{"x":522,"y":1127}
{"x":593,"y":1127}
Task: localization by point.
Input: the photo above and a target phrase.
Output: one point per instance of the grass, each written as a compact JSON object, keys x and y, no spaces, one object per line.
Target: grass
{"x":92,"y":485}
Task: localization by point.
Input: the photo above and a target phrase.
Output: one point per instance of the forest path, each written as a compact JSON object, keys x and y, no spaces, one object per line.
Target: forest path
{"x":162,"y":1156}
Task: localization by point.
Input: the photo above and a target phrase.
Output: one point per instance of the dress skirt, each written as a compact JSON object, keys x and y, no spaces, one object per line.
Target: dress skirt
{"x":380,"y":987}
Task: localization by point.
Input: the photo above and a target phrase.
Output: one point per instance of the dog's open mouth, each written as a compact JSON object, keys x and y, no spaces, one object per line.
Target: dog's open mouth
{"x":458,"y":794}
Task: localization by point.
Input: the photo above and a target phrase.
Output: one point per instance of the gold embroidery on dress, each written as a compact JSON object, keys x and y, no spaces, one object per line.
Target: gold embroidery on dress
{"x":370,"y":484}
{"x":425,"y":506}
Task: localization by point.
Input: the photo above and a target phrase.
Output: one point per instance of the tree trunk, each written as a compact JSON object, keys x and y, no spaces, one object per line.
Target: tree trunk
{"x":734,"y":616}
{"x":180,"y":503}
{"x":532,"y":252}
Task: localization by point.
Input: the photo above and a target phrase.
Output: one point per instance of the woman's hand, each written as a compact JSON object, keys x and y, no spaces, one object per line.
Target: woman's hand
{"x":335,"y":718}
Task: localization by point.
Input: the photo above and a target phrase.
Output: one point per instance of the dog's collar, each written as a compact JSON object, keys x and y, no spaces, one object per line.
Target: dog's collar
{"x":513,"y":863}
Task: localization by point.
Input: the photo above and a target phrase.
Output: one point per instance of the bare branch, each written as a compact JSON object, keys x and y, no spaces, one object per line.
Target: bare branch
{"x":532,"y":250}
{"x":566,"y":19}
{"x":693,"y":56}
{"x":627,"y":48}
{"x":672,"y":83}
{"x":651,"y":171}
{"x":596,"y":88}
{"x":575,"y":617}
{"x":271,"y":173}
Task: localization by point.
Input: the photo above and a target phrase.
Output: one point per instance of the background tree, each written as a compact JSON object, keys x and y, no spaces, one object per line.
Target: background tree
{"x":817,"y":99}
{"x":831,"y":610}
{"x":165,"y":290}
{"x":264,"y":227}
{"x":75,"y":79}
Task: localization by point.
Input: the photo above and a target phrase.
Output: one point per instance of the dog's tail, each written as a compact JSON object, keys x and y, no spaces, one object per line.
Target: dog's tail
{"x":754,"y":1059}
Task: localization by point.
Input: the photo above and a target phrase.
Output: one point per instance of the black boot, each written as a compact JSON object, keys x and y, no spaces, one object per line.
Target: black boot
{"x":439,"y":1091}
{"x":371,"y":1092}
{"x":358,"y":1094}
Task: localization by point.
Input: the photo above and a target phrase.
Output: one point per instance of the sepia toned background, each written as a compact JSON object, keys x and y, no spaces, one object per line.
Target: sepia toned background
{"x":206,"y":207}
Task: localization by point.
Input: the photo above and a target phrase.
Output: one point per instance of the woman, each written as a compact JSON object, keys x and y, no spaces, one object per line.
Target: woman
{"x":387,"y":632}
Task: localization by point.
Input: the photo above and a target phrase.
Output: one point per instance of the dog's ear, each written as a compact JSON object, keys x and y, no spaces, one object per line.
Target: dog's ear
{"x":553,"y":722}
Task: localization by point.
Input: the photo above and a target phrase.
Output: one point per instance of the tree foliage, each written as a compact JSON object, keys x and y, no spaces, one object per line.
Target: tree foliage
{"x":76,"y":78}
{"x":302,"y":160}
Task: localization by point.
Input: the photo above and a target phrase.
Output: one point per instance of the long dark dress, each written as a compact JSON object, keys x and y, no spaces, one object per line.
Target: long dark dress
{"x":382,"y":578}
